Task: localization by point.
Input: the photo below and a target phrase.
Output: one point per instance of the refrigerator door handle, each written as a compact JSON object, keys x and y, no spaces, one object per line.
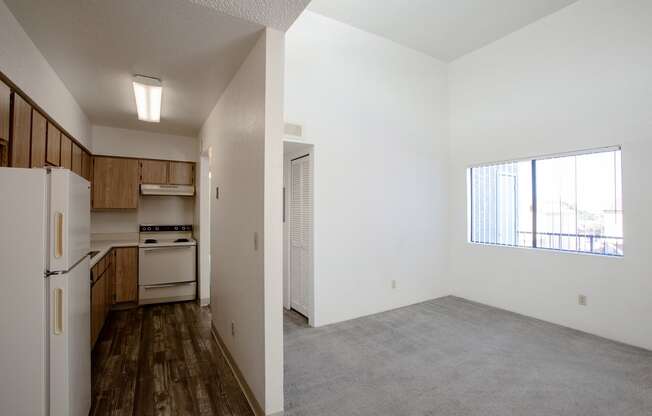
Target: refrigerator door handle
{"x":58,"y":238}
{"x":58,"y":311}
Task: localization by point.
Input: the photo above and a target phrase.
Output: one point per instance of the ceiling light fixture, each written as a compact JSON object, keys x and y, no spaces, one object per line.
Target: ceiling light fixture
{"x":148,"y":91}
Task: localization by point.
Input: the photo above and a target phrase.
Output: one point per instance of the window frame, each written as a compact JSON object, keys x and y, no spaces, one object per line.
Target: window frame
{"x":533,"y":161}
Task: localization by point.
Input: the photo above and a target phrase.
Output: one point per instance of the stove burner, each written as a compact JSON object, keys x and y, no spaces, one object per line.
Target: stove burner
{"x":150,"y":241}
{"x":181,"y":240}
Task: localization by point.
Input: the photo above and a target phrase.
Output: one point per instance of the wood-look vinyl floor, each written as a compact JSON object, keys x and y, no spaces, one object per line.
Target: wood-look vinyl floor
{"x":163,"y":360}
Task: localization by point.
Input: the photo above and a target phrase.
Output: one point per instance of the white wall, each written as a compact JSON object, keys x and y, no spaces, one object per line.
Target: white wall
{"x":151,"y":209}
{"x":244,"y":133}
{"x":273,"y":239}
{"x":577,"y":79}
{"x":24,"y":65}
{"x":377,"y":115}
{"x":137,"y":143}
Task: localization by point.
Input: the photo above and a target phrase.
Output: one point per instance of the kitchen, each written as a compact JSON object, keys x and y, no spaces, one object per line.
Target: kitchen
{"x":127,"y":220}
{"x":100,"y":210}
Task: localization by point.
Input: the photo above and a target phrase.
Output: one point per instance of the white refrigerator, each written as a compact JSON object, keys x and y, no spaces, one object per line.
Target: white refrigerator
{"x":45,"y":346}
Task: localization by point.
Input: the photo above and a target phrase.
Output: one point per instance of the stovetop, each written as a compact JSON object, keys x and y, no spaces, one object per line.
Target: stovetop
{"x":154,"y":228}
{"x":153,"y":235}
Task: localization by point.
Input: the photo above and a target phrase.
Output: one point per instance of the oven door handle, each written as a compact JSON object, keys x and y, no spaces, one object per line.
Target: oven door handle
{"x":166,"y":247}
{"x":166,"y":285}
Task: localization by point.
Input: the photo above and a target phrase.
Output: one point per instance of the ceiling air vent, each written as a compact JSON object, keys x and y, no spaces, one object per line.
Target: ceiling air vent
{"x":294,"y":130}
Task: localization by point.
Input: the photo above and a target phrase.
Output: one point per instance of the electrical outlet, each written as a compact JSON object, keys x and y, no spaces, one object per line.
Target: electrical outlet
{"x":233,"y":329}
{"x":393,"y":284}
{"x":581,"y":299}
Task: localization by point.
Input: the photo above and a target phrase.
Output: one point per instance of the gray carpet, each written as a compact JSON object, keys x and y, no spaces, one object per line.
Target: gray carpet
{"x":452,"y":357}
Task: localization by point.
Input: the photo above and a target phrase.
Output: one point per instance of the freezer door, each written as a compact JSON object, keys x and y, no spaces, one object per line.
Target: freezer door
{"x":70,"y":341}
{"x":70,"y":219}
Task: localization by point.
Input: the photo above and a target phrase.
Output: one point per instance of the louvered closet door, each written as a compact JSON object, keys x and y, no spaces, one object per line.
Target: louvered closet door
{"x":301,"y":235}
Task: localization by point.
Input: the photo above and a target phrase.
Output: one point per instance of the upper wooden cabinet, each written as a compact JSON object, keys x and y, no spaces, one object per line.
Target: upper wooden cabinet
{"x":86,"y":165}
{"x":181,"y":173}
{"x":53,"y":146}
{"x":154,"y":172}
{"x":30,"y":138}
{"x":76,"y":159}
{"x":66,"y":152}
{"x":115,"y":183}
{"x":5,"y":111}
{"x":39,"y":138}
{"x":21,"y":133}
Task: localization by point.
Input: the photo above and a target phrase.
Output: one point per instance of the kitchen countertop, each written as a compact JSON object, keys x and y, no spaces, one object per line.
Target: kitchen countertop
{"x":104,"y":246}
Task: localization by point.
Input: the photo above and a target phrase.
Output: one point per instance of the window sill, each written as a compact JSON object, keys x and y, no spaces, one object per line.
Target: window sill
{"x":548,"y":250}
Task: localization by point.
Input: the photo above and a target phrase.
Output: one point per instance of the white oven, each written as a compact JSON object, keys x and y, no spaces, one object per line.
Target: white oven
{"x":166,"y":265}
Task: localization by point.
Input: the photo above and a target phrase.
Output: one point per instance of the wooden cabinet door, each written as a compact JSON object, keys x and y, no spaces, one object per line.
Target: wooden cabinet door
{"x":110,"y":282}
{"x":21,"y":133}
{"x":126,"y":274}
{"x":181,"y":173}
{"x":66,"y":152}
{"x":115,"y":183}
{"x":154,"y":172}
{"x":5,"y":112}
{"x":76,"y":159}
{"x":86,"y":165}
{"x":98,"y":294}
{"x":53,"y":146}
{"x":39,"y":138}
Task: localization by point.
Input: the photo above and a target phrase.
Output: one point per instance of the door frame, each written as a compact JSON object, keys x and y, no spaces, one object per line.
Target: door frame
{"x":287,"y":175}
{"x":203,"y":200}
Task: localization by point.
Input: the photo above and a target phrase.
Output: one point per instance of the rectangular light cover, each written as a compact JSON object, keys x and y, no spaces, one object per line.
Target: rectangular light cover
{"x":148,"y":93}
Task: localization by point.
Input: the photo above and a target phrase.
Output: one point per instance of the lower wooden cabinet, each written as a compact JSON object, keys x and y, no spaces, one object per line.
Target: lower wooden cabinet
{"x":114,"y":280}
{"x":126,"y":274}
{"x":110,"y":283}
{"x":98,"y":307}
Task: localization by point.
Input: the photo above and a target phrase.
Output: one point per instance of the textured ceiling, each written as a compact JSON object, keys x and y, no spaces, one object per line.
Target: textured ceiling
{"x":444,"y":29}
{"x":96,"y":46}
{"x":277,"y":14}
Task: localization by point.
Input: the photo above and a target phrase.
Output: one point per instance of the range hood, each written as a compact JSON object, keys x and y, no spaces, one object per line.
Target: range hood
{"x":178,"y":190}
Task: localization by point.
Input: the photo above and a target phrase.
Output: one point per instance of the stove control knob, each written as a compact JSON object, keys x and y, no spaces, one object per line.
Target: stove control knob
{"x":176,"y":228}
{"x":149,"y":228}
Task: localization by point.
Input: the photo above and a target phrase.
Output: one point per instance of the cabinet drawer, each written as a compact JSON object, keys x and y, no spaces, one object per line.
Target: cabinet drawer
{"x":166,"y":293}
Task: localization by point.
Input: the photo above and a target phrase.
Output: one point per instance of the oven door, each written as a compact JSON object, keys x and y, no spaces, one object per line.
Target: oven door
{"x":166,"y":265}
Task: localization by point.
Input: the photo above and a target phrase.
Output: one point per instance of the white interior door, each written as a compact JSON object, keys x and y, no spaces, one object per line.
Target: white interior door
{"x":301,"y":235}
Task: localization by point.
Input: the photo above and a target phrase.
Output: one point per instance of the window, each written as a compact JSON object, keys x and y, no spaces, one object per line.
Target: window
{"x":569,"y":202}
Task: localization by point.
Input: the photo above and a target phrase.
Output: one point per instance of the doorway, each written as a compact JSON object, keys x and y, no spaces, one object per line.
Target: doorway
{"x":298,"y":227}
